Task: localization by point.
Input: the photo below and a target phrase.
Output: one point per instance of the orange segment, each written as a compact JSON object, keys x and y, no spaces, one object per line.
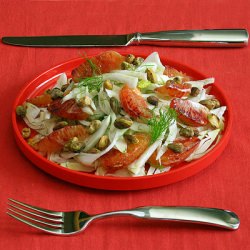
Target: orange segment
{"x":115,"y":160}
{"x":171,"y":158}
{"x":133,"y":103}
{"x":69,"y":110}
{"x":102,"y":63}
{"x":55,"y":141}
{"x":41,"y":100}
{"x":172,"y":72}
{"x":174,"y":89}
{"x":191,"y":113}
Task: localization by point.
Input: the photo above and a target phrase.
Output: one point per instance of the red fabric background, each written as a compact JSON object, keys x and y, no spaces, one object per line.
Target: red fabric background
{"x":224,"y":184}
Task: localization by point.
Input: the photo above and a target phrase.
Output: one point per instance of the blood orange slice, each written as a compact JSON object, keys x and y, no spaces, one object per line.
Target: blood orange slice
{"x":55,"y":141}
{"x":69,"y":110}
{"x":115,"y":159}
{"x":191,"y":113}
{"x":102,"y":63}
{"x":133,"y":103}
{"x":170,"y":158}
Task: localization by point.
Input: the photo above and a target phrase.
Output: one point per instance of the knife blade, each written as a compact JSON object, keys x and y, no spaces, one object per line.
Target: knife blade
{"x":180,"y":38}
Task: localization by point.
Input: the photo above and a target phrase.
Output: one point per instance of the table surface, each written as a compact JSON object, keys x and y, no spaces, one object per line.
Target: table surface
{"x":224,"y":184}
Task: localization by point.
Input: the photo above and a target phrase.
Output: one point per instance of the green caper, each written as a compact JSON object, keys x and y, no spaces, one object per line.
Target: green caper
{"x":151,"y":76}
{"x":214,"y":121}
{"x":176,"y":147}
{"x":127,"y":66}
{"x":138,"y":61}
{"x":115,"y":105}
{"x":60,"y":124}
{"x":130,"y":58}
{"x":73,"y":145}
{"x":186,"y":132}
{"x":26,"y":132}
{"x":103,"y":142}
{"x":56,"y":93}
{"x":195,"y":91}
{"x":210,"y":103}
{"x":123,"y":122}
{"x":108,"y":84}
{"x":21,"y":111}
{"x":131,"y":138}
{"x":153,"y":100}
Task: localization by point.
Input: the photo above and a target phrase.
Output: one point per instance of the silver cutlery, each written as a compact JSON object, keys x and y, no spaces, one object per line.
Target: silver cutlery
{"x":68,"y":223}
{"x":180,"y":38}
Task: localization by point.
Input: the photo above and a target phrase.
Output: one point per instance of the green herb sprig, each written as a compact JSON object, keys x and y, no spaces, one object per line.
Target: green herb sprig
{"x":96,"y":70}
{"x":160,"y":124}
{"x":93,"y":83}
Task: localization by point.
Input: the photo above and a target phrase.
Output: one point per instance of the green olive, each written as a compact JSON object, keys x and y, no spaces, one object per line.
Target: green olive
{"x":73,"y":145}
{"x":115,"y":105}
{"x":108,"y":85}
{"x":130,"y":58}
{"x":176,"y":147}
{"x":195,"y":91}
{"x":210,"y":103}
{"x":21,"y":111}
{"x":103,"y":142}
{"x":151,"y":76}
{"x":123,"y":123}
{"x":153,"y":100}
{"x":56,"y":93}
{"x":186,"y":132}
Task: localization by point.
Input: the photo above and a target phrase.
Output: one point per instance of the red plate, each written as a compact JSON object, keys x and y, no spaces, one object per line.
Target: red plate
{"x":48,"y":78}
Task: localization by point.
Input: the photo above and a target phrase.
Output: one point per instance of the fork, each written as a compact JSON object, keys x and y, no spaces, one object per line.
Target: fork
{"x":73,"y":222}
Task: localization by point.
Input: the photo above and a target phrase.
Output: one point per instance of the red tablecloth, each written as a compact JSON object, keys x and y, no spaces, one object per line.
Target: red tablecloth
{"x":224,"y":184}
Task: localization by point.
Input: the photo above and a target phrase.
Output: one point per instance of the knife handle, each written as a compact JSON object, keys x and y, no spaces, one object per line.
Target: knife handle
{"x":194,"y":38}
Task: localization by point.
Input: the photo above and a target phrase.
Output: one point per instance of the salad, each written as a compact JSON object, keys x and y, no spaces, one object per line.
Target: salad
{"x":128,"y":116}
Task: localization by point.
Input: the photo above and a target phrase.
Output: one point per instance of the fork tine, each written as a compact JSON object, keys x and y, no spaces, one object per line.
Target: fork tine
{"x":36,"y":220}
{"x":43,"y":228}
{"x":54,"y":219}
{"x":38,"y":209}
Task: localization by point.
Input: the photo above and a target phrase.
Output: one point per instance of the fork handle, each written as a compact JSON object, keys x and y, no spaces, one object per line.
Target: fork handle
{"x":210,"y":216}
{"x":201,"y":215}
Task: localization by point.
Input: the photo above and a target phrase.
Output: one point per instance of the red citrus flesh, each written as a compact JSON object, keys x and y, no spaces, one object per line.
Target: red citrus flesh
{"x":69,"y":110}
{"x":114,"y":159}
{"x":133,"y":103}
{"x":55,"y":141}
{"x":170,"y":158}
{"x":41,"y":100}
{"x":172,"y":72}
{"x":102,"y":63}
{"x":191,"y":113}
{"x":174,"y":89}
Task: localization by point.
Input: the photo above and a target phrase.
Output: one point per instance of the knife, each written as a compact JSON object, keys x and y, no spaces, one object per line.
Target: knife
{"x":178,"y":38}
